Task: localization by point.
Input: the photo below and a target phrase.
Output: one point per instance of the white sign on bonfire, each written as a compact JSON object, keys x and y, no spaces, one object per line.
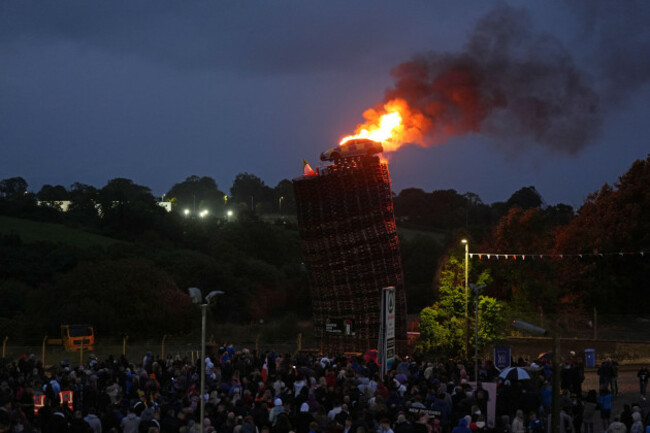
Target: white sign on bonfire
{"x":387,"y":329}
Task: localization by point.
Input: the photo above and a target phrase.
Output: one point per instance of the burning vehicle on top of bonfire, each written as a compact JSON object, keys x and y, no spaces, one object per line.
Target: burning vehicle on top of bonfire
{"x":352,"y":148}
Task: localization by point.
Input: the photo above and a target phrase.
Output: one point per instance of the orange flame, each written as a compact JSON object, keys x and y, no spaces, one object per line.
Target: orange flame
{"x":394,"y":125}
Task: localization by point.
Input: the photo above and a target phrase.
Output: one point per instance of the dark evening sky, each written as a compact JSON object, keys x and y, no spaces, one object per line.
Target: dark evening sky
{"x":156,"y":91}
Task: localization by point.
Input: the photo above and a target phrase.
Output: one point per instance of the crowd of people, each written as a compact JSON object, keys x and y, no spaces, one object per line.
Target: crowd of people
{"x":302,"y":393}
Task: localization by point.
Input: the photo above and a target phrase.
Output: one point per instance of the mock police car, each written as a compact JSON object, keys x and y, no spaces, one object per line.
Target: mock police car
{"x":352,"y":148}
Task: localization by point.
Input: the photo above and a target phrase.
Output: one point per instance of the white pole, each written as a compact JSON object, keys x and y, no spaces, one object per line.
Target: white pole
{"x":202,"y":365}
{"x":466,"y":297}
{"x":476,"y":343}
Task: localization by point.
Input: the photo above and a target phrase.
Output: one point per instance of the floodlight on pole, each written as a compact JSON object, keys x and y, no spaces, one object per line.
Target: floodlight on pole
{"x":196,"y":295}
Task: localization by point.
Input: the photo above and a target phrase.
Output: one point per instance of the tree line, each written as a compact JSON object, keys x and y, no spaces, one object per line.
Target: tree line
{"x":256,"y":257}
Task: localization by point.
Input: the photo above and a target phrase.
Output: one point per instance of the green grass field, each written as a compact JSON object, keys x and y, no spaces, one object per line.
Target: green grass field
{"x":409,"y":233}
{"x":35,"y":231}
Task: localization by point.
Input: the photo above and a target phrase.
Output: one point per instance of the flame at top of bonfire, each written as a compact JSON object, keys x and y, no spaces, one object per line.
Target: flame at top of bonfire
{"x":380,"y":132}
{"x":393,"y":125}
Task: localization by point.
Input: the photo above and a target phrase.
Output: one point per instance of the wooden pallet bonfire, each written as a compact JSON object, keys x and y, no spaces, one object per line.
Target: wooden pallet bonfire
{"x":348,"y":234}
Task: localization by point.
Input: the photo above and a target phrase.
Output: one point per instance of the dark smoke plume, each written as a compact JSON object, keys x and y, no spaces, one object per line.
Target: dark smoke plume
{"x":619,"y":36}
{"x":508,"y":83}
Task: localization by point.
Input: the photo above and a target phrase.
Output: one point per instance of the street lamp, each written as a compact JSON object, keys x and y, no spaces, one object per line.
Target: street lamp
{"x":195,"y":294}
{"x":229,"y":214}
{"x":186,"y":212}
{"x":476,"y":289}
{"x":280,"y":204}
{"x":466,"y":242}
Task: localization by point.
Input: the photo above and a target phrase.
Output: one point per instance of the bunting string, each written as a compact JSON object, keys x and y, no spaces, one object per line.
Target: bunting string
{"x":518,"y":256}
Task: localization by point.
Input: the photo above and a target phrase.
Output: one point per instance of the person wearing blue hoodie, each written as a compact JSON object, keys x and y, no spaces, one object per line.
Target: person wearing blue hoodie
{"x":461,"y":427}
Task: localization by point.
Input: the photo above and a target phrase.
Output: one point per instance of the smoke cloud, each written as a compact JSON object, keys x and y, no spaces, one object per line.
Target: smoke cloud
{"x":508,"y":82}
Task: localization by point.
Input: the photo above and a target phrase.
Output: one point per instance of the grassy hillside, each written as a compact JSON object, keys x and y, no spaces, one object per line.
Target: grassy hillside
{"x":34,"y":231}
{"x":410,"y":234}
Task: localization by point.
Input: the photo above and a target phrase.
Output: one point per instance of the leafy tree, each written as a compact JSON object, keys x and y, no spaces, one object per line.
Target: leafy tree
{"x":128,"y":208}
{"x":526,"y":284}
{"x":442,"y":326}
{"x":121,"y":191}
{"x":251,"y":191}
{"x":84,"y":208}
{"x":491,"y":320}
{"x":128,"y":295}
{"x":53,"y":196}
{"x":441,"y":332}
{"x":412,"y":205}
{"x":441,"y":209}
{"x":13,"y":187}
{"x":614,"y":219}
{"x":451,"y":290}
{"x":525,"y":198}
{"x":51,"y":193}
{"x":448,"y":209}
{"x":12,"y":298}
{"x":284,"y":197}
{"x":419,"y":255}
{"x":197,"y":194}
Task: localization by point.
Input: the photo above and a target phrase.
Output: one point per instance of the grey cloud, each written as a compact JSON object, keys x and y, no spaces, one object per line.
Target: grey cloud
{"x":261,"y":37}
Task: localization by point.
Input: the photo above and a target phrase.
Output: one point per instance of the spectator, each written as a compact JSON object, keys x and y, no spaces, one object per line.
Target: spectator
{"x":589,"y":412}
{"x":384,"y":426}
{"x":643,"y":375}
{"x":617,"y":427}
{"x":605,"y":404}
{"x":637,"y":425}
{"x":78,"y":424}
{"x":277,"y":410}
{"x":606,"y":375}
{"x":518,"y":423}
{"x":535,"y":424}
{"x":402,"y":425}
{"x":131,"y":422}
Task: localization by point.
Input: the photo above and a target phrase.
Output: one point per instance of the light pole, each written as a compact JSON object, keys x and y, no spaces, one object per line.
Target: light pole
{"x":476,"y":289}
{"x":280,"y":204}
{"x":466,"y":242}
{"x":195,"y":294}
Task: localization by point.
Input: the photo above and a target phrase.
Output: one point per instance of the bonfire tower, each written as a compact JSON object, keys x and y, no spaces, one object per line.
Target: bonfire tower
{"x":348,"y":234}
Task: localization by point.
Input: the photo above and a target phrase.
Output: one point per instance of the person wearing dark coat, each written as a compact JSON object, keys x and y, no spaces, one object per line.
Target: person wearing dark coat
{"x":303,"y":419}
{"x":78,"y":425}
{"x":57,"y":422}
{"x":402,"y":425}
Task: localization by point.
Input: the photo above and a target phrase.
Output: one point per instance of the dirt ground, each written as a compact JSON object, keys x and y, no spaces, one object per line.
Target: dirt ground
{"x":628,"y":388}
